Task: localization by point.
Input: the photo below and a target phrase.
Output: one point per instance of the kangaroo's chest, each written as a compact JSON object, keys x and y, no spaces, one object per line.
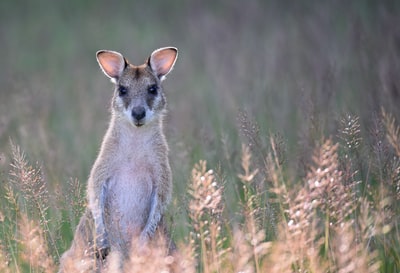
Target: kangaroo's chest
{"x":128,"y":195}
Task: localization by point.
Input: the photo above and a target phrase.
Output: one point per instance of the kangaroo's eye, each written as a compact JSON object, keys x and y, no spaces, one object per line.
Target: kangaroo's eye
{"x":122,"y":90}
{"x":153,"y":89}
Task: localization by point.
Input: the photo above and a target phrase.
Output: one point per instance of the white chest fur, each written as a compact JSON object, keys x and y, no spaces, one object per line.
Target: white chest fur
{"x":130,"y":184}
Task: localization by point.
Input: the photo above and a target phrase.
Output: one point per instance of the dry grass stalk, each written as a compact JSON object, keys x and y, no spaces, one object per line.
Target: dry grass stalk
{"x":75,"y":198}
{"x":298,"y":244}
{"x":185,"y":260}
{"x":250,"y":130}
{"x":254,"y":234}
{"x":326,"y":185}
{"x":393,"y":136}
{"x":241,"y":255}
{"x":35,"y":252}
{"x":346,"y":251}
{"x":29,"y":180}
{"x":383,"y":213}
{"x":248,"y":175}
{"x":305,"y":232}
{"x":205,"y":210}
{"x":275,"y":176}
{"x":350,"y":132}
{"x":327,"y":191}
{"x":393,"y":131}
{"x":249,"y":188}
{"x":351,"y":167}
{"x":150,"y":258}
{"x":255,"y":238}
{"x":394,"y":177}
{"x":4,"y":260}
{"x":374,"y":223}
{"x":11,"y":197}
{"x":205,"y":192}
{"x":351,"y":254}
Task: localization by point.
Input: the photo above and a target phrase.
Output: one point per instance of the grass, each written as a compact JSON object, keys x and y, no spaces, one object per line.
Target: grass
{"x":282,"y":100}
{"x":329,"y":221}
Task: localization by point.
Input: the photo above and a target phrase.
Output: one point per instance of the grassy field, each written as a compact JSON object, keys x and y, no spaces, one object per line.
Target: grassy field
{"x":285,"y":113}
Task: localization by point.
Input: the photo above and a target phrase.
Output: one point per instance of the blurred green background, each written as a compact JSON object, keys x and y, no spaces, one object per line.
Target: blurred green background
{"x":293,"y":67}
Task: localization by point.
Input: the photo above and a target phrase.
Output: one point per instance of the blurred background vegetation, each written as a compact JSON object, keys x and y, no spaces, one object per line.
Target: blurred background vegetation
{"x":288,"y":68}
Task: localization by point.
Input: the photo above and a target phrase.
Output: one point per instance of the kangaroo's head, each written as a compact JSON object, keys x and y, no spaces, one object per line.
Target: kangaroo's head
{"x":138,"y":94}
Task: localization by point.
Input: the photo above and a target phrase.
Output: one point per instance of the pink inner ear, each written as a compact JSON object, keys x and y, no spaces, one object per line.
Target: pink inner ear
{"x":162,"y":61}
{"x":111,"y":63}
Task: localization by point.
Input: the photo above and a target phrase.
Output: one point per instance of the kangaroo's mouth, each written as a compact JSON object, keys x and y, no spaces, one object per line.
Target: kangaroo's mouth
{"x":138,"y":123}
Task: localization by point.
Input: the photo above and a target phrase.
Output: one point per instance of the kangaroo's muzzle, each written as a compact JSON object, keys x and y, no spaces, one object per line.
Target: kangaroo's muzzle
{"x":138,"y":114}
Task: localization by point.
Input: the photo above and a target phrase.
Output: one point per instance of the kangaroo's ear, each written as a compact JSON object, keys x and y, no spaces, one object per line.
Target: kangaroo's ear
{"x":162,"y":61}
{"x":112,"y":63}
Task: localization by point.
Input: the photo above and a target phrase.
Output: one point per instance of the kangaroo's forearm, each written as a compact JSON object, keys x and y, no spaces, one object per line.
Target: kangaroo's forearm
{"x":154,"y":215}
{"x":96,"y":205}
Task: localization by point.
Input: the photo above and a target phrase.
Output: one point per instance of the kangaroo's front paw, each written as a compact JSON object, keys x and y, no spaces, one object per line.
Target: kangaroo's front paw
{"x":143,"y":238}
{"x":102,"y":248}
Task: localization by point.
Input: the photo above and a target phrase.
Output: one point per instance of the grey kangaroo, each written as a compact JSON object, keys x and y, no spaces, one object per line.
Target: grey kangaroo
{"x":130,"y":184}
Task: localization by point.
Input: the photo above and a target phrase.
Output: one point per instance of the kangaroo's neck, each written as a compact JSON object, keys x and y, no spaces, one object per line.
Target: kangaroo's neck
{"x":124,"y":136}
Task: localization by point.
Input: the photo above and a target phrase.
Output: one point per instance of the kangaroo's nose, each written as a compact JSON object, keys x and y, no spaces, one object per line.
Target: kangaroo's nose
{"x":138,"y":113}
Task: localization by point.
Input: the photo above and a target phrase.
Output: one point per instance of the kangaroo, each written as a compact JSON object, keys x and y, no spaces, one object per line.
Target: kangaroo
{"x":130,"y":184}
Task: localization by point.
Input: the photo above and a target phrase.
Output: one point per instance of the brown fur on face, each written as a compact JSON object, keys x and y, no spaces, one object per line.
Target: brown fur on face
{"x":136,"y":82}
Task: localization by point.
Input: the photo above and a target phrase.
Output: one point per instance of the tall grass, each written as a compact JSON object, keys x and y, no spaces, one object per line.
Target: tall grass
{"x":329,"y":221}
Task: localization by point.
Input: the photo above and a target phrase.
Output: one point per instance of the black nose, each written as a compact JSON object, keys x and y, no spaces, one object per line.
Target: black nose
{"x":138,"y":113}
